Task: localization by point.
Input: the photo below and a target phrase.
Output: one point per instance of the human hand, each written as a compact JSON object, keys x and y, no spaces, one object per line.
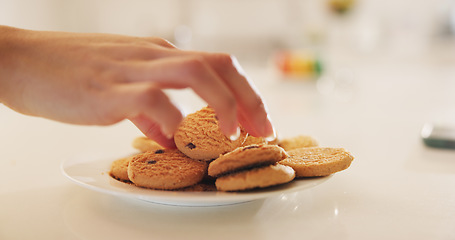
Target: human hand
{"x":101,"y":79}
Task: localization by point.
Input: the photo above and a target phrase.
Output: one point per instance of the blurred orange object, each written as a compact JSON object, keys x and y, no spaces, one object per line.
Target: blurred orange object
{"x":298,"y":64}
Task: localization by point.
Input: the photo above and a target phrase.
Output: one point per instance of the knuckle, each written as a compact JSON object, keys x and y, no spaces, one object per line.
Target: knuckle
{"x":228,"y":103}
{"x":195,"y":67}
{"x":104,"y":115}
{"x":151,"y":97}
{"x":162,"y":42}
{"x":222,"y":59}
{"x":256,"y":106}
{"x":108,"y":118}
{"x":257,"y":103}
{"x":101,"y":80}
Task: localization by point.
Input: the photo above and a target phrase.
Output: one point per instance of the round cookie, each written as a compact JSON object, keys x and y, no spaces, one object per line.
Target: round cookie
{"x":297,"y":142}
{"x":246,"y":157}
{"x":166,"y":169}
{"x":317,"y":161}
{"x":250,"y":140}
{"x":119,"y":169}
{"x":255,"y":178}
{"x":145,"y":144}
{"x":199,"y":136}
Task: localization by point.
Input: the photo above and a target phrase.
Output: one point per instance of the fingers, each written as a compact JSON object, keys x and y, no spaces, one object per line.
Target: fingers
{"x":140,"y":51}
{"x":253,"y":114}
{"x":152,"y":130}
{"x":216,"y":78}
{"x":252,"y":111}
{"x":193,"y":72}
{"x":149,"y":109}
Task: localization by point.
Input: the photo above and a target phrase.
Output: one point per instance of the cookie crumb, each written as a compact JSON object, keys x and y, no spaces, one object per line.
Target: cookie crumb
{"x":159,"y":151}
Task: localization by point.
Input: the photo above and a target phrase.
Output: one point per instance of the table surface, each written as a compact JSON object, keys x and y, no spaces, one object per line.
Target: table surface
{"x":396,"y":188}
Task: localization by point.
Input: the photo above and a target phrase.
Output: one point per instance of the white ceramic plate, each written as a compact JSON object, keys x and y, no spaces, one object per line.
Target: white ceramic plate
{"x":93,"y":173}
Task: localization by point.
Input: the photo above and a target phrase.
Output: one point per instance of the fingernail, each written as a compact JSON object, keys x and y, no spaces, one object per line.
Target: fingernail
{"x":271,"y":137}
{"x":168,"y":134}
{"x":236,"y":135}
{"x":269,"y":130}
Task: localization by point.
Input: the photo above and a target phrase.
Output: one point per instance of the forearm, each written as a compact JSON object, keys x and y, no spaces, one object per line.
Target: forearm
{"x":10,"y":45}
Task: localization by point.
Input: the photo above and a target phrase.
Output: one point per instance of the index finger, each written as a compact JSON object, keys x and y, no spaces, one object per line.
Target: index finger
{"x":253,"y":114}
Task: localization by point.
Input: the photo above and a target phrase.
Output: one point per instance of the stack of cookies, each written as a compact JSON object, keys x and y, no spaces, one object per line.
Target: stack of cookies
{"x":207,"y":160}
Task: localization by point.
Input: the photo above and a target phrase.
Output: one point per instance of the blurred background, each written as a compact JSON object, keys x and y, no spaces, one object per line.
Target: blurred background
{"x":361,"y":74}
{"x":352,"y":51}
{"x":256,"y":30}
{"x":364,"y":53}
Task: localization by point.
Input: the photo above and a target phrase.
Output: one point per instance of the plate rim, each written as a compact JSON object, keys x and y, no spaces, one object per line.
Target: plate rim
{"x":179,"y":198}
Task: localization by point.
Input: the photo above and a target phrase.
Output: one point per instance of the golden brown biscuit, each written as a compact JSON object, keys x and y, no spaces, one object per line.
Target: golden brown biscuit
{"x":250,"y":140}
{"x":119,"y":169}
{"x":246,"y":157}
{"x":166,"y":169}
{"x":200,"y":137}
{"x":145,"y":144}
{"x":261,"y":177}
{"x":317,"y":161}
{"x":297,"y":142}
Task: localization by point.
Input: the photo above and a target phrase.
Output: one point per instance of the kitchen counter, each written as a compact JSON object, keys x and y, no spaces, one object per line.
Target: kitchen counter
{"x":396,"y":188}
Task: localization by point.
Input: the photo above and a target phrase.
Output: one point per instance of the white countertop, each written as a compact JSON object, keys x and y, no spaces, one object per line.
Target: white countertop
{"x":396,"y":188}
